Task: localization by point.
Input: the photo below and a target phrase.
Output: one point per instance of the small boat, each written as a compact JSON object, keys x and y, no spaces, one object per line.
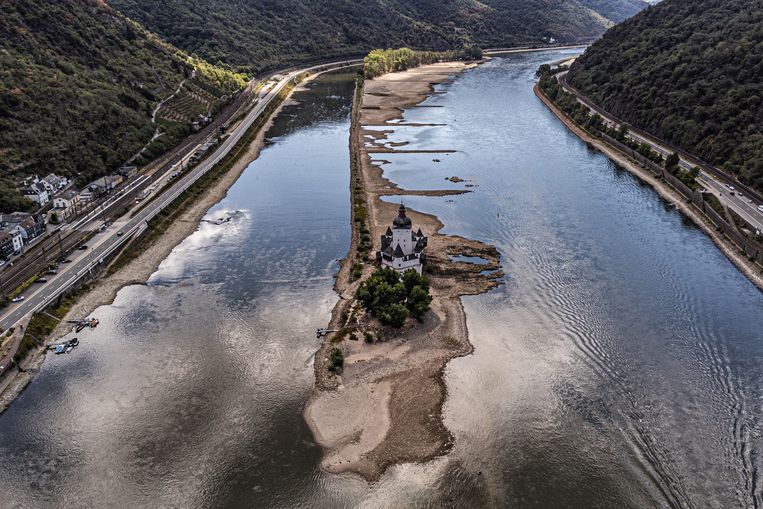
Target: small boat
{"x":59,"y":349}
{"x":69,"y":348}
{"x":81,"y":326}
{"x":74,"y":342}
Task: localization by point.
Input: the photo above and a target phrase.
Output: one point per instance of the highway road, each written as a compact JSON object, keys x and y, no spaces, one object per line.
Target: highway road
{"x":713,"y":180}
{"x":106,"y":242}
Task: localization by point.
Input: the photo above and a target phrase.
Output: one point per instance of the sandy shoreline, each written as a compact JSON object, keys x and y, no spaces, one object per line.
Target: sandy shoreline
{"x":386,"y":406}
{"x":748,"y":268}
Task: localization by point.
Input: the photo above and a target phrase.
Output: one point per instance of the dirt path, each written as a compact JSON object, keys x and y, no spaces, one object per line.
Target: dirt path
{"x":386,"y":406}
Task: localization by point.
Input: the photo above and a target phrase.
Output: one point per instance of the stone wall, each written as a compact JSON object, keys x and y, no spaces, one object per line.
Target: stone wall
{"x":752,"y":249}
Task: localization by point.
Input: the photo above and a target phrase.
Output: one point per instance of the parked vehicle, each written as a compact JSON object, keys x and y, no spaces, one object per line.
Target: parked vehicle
{"x":18,"y":299}
{"x":760,"y":208}
{"x":82,"y":248}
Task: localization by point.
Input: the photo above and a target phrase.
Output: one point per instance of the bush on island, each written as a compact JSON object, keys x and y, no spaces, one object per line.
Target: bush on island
{"x":391,"y":297}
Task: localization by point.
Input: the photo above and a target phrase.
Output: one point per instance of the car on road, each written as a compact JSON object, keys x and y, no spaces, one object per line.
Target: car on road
{"x":18,"y":299}
{"x":760,"y":208}
{"x":120,"y":233}
{"x":64,"y":260}
{"x":731,"y":188}
{"x":82,"y":247}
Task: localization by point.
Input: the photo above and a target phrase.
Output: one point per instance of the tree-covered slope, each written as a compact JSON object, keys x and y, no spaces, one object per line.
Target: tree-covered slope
{"x":616,"y":10}
{"x":691,"y":72}
{"x":253,"y":35}
{"x":78,"y":83}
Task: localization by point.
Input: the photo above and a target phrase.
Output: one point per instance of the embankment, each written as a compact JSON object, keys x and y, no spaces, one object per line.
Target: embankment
{"x":716,"y":228}
{"x":142,"y":256}
{"x":386,"y":405}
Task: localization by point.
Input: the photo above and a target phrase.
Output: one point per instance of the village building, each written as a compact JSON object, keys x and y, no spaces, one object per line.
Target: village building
{"x":104,"y":184}
{"x":10,"y":243}
{"x":25,"y":224}
{"x":53,"y":183}
{"x":401,"y":248}
{"x":127,"y":171}
{"x":65,"y":205}
{"x":37,"y":192}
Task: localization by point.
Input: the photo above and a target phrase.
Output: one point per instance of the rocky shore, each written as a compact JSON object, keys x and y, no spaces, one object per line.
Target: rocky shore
{"x":385,"y":407}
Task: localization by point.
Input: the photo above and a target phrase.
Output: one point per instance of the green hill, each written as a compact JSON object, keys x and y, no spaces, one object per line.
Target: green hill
{"x":78,"y":83}
{"x":690,"y":72}
{"x":261,"y":34}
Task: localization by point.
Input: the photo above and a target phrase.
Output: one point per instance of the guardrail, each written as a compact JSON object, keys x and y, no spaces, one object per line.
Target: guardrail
{"x":691,"y":158}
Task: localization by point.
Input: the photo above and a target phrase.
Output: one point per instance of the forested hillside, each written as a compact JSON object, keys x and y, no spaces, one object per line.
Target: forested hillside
{"x":78,"y":83}
{"x":690,"y":72}
{"x":615,"y":11}
{"x":255,"y":35}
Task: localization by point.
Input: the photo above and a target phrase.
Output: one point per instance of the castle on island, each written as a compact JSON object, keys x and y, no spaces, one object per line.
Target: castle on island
{"x":401,"y":248}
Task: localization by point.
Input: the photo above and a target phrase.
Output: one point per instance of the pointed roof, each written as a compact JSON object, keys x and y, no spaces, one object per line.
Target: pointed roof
{"x":399,"y":252}
{"x":418,"y":233}
{"x":401,"y":221}
{"x":388,"y":233}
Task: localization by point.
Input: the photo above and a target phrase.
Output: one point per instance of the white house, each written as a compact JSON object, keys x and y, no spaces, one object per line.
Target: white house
{"x":10,"y":242}
{"x":401,"y":248}
{"x":53,"y":183}
{"x":37,"y":192}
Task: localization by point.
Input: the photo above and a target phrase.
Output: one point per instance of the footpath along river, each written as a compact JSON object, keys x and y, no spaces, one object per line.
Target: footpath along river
{"x":618,"y":366}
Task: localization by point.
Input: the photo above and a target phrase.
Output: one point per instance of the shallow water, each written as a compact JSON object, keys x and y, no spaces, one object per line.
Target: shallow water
{"x":618,"y":366}
{"x":620,"y":363}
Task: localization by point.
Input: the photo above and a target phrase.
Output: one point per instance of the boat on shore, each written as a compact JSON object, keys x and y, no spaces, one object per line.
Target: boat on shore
{"x":64,"y":346}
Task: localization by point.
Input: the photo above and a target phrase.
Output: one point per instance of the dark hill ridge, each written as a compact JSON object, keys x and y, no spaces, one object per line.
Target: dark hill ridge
{"x":79,"y":79}
{"x":78,"y":83}
{"x":253,"y":35}
{"x":688,"y":71}
{"x":616,"y":11}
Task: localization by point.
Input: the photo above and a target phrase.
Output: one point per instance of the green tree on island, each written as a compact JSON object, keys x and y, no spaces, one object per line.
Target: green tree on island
{"x":391,"y":297}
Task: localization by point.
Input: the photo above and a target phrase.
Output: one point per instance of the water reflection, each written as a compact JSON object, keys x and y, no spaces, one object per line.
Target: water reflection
{"x":619,"y":365}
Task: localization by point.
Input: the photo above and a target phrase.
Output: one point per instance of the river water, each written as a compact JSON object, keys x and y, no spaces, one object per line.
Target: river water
{"x":618,"y":366}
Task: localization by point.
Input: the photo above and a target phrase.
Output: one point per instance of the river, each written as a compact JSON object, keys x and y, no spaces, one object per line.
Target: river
{"x":618,"y":366}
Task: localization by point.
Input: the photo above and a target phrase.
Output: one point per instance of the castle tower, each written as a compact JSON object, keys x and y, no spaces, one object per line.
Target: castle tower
{"x":401,"y":248}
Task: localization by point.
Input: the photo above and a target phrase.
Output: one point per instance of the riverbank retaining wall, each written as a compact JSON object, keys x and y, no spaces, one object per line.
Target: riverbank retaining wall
{"x":751,"y":249}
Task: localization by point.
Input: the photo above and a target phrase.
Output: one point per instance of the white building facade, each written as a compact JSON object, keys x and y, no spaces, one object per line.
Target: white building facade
{"x":401,"y":248}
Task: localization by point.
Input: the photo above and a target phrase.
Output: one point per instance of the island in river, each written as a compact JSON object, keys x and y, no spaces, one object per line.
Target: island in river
{"x":385,"y":406}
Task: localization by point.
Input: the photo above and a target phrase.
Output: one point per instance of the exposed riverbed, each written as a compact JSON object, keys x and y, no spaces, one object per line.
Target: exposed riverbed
{"x":619,"y":365}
